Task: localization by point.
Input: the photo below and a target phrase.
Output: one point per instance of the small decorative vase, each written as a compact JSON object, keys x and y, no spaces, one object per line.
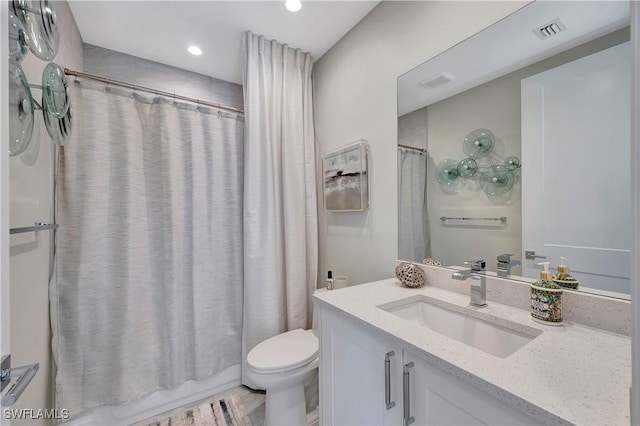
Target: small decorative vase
{"x":410,"y":275}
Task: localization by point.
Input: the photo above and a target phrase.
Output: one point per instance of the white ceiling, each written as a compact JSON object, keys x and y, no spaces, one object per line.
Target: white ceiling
{"x":161,"y":31}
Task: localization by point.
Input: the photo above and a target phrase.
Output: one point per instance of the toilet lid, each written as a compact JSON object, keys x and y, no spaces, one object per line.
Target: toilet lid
{"x":285,"y":351}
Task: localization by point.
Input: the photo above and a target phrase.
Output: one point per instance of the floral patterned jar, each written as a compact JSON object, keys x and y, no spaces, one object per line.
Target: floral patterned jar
{"x":546,"y":299}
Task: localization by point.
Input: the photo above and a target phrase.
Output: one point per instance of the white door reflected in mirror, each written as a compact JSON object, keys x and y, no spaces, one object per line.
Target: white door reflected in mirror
{"x":580,"y":207}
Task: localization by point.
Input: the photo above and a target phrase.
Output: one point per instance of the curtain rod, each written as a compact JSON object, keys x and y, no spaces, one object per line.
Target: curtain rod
{"x":109,"y":81}
{"x":411,"y":147}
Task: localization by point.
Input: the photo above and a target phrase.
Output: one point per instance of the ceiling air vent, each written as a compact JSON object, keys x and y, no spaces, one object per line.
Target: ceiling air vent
{"x":438,"y":80}
{"x":552,"y":28}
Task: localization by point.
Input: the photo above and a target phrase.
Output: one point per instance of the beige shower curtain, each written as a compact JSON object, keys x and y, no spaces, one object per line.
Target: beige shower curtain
{"x":149,"y":267}
{"x":280,"y":215}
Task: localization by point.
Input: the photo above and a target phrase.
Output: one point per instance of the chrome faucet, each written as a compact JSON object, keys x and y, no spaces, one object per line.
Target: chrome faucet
{"x":505,"y":263}
{"x":477,"y":273}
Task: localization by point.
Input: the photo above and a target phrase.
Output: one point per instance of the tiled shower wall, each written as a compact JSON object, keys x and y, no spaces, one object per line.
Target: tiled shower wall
{"x":134,"y":70}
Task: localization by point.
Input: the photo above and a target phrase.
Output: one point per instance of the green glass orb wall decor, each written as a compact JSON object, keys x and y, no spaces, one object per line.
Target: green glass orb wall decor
{"x":33,"y":26}
{"x":496,"y":177}
{"x":41,"y":25}
{"x":21,"y":115}
{"x":54,"y":90}
{"x":467,"y":167}
{"x":447,"y":172}
{"x":512,"y":163}
{"x":497,"y":181}
{"x":18,"y":39}
{"x":478,"y":143}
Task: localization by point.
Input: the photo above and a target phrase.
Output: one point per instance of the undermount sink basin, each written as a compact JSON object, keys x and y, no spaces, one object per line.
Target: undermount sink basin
{"x":495,"y":336}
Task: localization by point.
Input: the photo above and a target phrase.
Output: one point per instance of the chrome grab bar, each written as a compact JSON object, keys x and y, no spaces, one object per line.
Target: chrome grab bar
{"x":38,"y":226}
{"x":24,"y":374}
{"x":502,"y":219}
{"x":406,"y":395}
{"x":387,"y":380}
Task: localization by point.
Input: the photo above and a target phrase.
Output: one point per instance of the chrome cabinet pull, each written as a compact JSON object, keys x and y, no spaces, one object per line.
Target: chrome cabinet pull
{"x":405,"y":394}
{"x":387,"y":380}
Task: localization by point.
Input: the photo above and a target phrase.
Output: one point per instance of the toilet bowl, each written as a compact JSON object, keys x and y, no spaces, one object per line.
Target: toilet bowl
{"x":280,"y":365}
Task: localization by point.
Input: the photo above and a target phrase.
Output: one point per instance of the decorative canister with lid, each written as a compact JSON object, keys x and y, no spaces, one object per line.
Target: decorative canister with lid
{"x":563,"y":278}
{"x":546,"y":298}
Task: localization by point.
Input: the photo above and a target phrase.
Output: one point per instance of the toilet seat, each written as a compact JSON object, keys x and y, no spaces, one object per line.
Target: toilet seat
{"x":284,"y":352}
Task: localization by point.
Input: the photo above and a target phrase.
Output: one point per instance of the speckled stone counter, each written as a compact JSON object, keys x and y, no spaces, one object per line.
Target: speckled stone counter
{"x":568,"y":374}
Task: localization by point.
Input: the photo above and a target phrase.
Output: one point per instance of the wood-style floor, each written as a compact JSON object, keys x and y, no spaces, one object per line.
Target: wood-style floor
{"x":254,"y":403}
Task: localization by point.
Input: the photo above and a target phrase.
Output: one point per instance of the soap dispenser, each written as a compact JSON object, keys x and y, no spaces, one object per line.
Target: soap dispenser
{"x":546,"y":298}
{"x":562,"y":278}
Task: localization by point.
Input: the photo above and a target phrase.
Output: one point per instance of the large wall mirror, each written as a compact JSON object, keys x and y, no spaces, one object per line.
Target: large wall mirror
{"x":517,"y":142}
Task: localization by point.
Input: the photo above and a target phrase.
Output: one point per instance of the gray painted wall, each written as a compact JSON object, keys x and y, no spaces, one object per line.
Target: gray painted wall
{"x":355,"y":97}
{"x":131,"y":69}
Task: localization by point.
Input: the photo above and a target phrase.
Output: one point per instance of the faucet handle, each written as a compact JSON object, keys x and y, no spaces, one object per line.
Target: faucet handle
{"x":506,"y":259}
{"x":476,"y":265}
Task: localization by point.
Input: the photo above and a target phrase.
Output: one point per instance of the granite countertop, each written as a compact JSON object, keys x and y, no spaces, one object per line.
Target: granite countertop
{"x":568,"y":374}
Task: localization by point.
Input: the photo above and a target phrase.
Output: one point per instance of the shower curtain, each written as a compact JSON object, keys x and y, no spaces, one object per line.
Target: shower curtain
{"x":280,"y":215}
{"x":414,"y":242}
{"x":149,"y":266}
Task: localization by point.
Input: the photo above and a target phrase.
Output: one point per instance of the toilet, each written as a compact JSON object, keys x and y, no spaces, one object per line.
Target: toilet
{"x":280,"y":365}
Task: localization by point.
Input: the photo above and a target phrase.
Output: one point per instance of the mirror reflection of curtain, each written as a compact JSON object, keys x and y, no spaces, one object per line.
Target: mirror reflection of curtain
{"x":414,"y":241}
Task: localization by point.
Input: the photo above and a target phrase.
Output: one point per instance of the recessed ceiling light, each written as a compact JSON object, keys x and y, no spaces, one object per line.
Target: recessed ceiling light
{"x":195,"y":50}
{"x":293,"y":5}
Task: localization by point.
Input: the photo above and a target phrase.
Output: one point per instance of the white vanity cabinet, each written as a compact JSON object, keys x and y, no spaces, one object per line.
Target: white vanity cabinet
{"x":354,"y":389}
{"x":352,"y":375}
{"x":438,"y":398}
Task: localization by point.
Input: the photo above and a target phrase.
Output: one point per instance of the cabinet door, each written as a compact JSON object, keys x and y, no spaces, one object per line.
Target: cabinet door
{"x":352,"y":375}
{"x":438,"y":398}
